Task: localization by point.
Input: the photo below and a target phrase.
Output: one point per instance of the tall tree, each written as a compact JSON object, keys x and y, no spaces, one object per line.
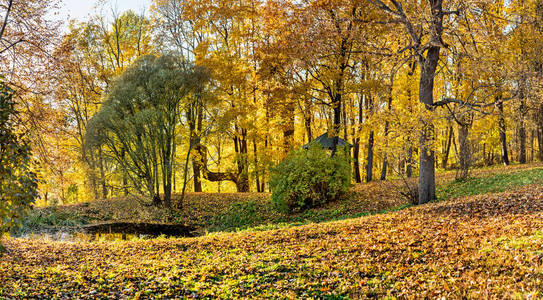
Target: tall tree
{"x":138,"y":122}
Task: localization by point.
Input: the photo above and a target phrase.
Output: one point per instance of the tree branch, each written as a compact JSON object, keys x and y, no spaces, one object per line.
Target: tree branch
{"x":6,"y":19}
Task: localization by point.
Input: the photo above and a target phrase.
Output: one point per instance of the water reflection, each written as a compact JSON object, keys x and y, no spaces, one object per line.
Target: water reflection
{"x":85,"y":237}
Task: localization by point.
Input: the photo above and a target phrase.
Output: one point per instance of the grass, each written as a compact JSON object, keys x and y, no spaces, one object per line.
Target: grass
{"x":470,"y":244}
{"x":259,"y":215}
{"x":493,"y":183}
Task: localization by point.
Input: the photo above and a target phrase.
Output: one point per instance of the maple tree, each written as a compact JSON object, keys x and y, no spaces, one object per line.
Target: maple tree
{"x":26,"y":37}
{"x":88,"y":59}
{"x":282,"y":73}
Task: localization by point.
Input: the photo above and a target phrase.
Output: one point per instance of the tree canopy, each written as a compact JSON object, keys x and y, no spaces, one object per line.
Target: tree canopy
{"x":412,"y":86}
{"x":139,"y":121}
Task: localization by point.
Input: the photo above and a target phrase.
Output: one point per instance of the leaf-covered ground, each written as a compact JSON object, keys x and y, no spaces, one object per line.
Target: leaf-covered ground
{"x":486,"y":246}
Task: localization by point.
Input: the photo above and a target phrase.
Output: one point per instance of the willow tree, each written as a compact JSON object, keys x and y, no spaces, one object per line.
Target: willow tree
{"x":138,"y":122}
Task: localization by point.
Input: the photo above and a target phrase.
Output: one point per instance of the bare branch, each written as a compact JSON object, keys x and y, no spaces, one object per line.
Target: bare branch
{"x":6,"y":19}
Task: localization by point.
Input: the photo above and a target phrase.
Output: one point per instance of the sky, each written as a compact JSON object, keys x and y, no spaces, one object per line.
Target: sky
{"x":80,"y":9}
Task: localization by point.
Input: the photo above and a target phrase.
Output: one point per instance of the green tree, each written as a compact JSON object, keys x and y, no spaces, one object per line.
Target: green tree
{"x":138,"y":122}
{"x":18,"y":183}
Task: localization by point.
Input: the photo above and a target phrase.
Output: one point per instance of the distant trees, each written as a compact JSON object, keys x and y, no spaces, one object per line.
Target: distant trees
{"x":138,"y":123}
{"x":26,"y":35}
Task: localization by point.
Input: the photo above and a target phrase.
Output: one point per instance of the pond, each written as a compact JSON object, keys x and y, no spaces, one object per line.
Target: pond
{"x":62,"y":236}
{"x":111,"y":231}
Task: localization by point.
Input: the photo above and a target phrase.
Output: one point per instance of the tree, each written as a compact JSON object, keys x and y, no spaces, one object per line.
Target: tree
{"x":90,"y":55}
{"x":18,"y":182}
{"x":138,"y":123}
{"x":425,"y":33}
{"x":25,"y":39}
{"x":180,"y":34}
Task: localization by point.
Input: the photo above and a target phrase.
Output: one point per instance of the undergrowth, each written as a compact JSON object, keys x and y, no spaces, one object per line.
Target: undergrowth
{"x":50,"y":219}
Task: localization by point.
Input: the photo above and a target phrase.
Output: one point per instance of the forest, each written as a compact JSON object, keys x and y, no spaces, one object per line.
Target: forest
{"x":259,"y":78}
{"x":405,"y":136}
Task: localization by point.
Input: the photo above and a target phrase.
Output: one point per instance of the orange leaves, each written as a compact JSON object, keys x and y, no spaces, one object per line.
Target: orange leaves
{"x":484,"y":246}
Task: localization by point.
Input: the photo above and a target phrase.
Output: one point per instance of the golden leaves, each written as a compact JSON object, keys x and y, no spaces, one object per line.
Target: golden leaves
{"x":483,"y":246}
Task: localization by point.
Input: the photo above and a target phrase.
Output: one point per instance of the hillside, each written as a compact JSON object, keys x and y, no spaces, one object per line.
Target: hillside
{"x":481,"y":246}
{"x":209,"y":212}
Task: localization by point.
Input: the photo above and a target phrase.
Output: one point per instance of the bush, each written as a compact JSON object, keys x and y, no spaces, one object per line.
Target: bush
{"x":309,"y":178}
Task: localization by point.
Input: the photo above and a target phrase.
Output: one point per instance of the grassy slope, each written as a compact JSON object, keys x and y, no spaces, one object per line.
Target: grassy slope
{"x":475,"y":247}
{"x":235,"y":211}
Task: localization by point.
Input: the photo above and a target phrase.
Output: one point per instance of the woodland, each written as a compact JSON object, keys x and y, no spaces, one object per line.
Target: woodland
{"x":413,"y":87}
{"x":316,"y":148}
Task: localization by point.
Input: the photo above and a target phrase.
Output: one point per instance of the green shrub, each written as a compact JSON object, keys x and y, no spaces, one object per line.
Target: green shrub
{"x":309,"y":178}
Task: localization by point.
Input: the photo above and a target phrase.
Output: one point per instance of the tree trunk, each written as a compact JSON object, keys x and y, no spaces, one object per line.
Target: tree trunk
{"x":91,"y":162}
{"x":428,"y":66}
{"x":196,"y":181}
{"x":307,"y":122}
{"x":369,"y":165}
{"x":337,"y":122}
{"x":167,"y":172}
{"x":503,"y":134}
{"x":540,"y":143}
{"x":125,"y":177}
{"x":385,"y":159}
{"x":244,"y":171}
{"x":102,"y":173}
{"x":409,"y":167}
{"x":427,"y":186}
{"x":197,"y":139}
{"x":196,"y":167}
{"x":384,"y":169}
{"x":240,"y":146}
{"x":185,"y":173}
{"x":356,"y":160}
{"x":464,"y":157}
{"x":445,"y":158}
{"x":356,"y":139}
{"x":257,"y":172}
{"x":168,"y":195}
{"x":522,"y":131}
{"x":532,"y":137}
